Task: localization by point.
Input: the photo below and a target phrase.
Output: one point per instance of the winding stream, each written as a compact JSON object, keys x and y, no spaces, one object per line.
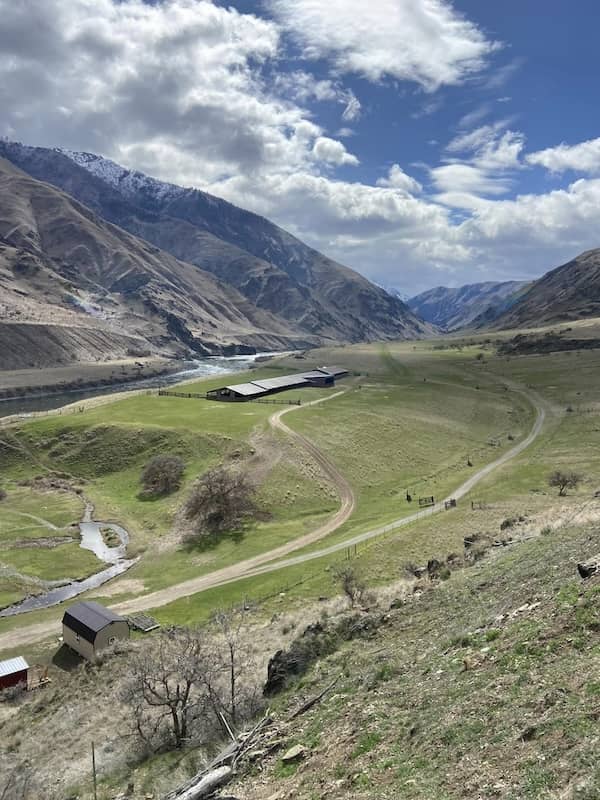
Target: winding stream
{"x":91,"y":539}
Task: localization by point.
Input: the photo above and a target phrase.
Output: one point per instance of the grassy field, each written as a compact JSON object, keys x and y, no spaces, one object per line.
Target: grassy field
{"x":411,"y":418}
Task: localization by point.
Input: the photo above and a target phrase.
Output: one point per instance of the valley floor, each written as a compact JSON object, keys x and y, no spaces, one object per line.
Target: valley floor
{"x":423,"y":418}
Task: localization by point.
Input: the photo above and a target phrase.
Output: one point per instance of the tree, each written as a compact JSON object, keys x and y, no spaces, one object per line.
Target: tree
{"x":165,"y":689}
{"x":564,"y":480}
{"x":351,"y":583}
{"x":221,"y":501}
{"x":162,"y":475}
{"x":237,"y":697}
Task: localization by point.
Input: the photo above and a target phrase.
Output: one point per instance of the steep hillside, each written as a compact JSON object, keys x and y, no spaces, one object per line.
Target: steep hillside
{"x":569,"y":292}
{"x":272,"y":269}
{"x":451,"y":309}
{"x":90,"y":287}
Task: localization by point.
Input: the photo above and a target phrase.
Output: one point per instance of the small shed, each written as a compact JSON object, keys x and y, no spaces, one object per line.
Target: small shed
{"x":89,"y":628}
{"x":337,"y":372}
{"x":319,"y":378}
{"x":13,"y":672}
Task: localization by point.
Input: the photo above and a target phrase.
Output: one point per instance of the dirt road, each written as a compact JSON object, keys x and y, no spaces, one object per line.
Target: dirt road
{"x":267,"y":562}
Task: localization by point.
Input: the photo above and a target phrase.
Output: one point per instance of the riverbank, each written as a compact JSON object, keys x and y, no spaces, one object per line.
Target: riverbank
{"x":25,"y":384}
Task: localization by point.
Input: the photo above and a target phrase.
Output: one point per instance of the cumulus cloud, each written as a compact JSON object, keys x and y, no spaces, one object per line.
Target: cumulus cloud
{"x":174,"y":88}
{"x":583,"y":157}
{"x":303,"y":86}
{"x":332,"y":152}
{"x":425,"y":41}
{"x":398,"y":179}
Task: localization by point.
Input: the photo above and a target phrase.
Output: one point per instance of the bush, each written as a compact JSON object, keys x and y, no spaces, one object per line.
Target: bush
{"x":564,"y":480}
{"x":2,"y":494}
{"x":162,"y":475}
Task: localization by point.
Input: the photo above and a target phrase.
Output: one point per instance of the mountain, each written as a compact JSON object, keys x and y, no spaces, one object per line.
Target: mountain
{"x":569,"y":292}
{"x":452,"y":309}
{"x":314,"y":298}
{"x":75,"y":287}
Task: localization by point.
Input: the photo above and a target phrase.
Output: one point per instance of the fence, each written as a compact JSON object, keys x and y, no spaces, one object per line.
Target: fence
{"x":198,"y":396}
{"x":426,"y":501}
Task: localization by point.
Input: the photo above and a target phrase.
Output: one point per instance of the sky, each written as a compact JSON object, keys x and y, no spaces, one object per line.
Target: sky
{"x":421,"y":142}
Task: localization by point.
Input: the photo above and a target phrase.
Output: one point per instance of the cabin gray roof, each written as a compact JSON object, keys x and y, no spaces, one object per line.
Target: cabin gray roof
{"x":246,"y":389}
{"x":88,"y":618}
{"x":12,"y":665}
{"x":282,"y":382}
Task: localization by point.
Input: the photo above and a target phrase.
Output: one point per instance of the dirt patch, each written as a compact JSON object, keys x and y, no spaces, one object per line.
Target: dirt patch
{"x":47,"y":542}
{"x":126,"y":586}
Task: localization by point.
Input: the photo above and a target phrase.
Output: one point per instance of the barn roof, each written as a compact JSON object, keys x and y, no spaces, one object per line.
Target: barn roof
{"x":334,"y":370}
{"x":12,"y":665}
{"x":283,"y":382}
{"x":88,"y":618}
{"x":317,"y":373}
{"x":246,"y":389}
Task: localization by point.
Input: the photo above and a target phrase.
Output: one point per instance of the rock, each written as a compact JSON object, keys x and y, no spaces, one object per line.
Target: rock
{"x":397,"y":602}
{"x":295,"y":753}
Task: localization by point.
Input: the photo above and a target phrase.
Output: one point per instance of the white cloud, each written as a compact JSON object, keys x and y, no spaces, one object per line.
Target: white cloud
{"x":466,"y":178}
{"x":302,"y":86}
{"x":425,"y":41}
{"x":398,"y":179}
{"x":332,"y":152}
{"x":173,"y":88}
{"x":583,"y":157}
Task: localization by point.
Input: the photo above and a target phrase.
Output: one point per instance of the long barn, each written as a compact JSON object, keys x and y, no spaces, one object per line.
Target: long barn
{"x":261,"y":387}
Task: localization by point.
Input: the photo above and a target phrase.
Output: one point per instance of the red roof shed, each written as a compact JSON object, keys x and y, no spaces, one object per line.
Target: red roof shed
{"x":13,"y":672}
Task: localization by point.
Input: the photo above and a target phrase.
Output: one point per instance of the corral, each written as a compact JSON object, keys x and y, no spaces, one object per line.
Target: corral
{"x":243,"y":392}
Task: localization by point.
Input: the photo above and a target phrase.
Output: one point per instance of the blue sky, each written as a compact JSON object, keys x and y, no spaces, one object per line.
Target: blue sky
{"x":422,"y":142}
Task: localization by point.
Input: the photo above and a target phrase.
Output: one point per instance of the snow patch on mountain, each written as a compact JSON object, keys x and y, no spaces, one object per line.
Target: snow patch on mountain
{"x":128,"y":181}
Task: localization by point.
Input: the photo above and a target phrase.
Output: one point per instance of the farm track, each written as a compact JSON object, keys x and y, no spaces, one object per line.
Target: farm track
{"x":267,"y":562}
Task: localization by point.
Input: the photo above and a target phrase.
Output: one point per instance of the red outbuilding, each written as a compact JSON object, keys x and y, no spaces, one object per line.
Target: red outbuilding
{"x":13,"y":672}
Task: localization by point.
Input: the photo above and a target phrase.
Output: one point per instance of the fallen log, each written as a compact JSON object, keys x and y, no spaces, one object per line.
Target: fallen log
{"x":205,"y":786}
{"x":314,"y":700}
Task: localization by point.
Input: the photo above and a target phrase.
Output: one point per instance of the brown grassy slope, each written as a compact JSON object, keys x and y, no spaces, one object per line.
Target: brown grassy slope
{"x":569,"y":292}
{"x":52,"y":249}
{"x":486,"y":686}
{"x":270,"y":267}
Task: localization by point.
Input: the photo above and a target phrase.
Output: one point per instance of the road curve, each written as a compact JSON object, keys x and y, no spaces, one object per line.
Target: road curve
{"x":267,"y":562}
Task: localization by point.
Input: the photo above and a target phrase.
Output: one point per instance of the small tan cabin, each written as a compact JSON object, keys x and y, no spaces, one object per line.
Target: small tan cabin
{"x":89,"y":628}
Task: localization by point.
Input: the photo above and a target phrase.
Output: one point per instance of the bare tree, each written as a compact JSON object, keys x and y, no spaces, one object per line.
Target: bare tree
{"x":166,"y":688}
{"x":162,"y":475}
{"x":237,"y":696}
{"x":222,"y":500}
{"x":564,"y":480}
{"x":351,"y":583}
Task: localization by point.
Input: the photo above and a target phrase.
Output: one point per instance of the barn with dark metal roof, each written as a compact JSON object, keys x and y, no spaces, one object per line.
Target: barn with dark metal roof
{"x":240,"y":392}
{"x":89,"y":628}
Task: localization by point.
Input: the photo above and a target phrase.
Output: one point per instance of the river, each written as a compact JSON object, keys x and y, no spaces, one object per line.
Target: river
{"x":202,"y":368}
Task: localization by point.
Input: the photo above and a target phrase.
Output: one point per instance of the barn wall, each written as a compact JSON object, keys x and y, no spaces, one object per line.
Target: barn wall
{"x":113,"y":631}
{"x":14,"y":679}
{"x":78,"y":644}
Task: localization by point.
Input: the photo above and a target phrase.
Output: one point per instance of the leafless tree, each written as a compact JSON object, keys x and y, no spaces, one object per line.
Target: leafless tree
{"x":162,"y":475}
{"x":166,"y":688}
{"x":221,"y":501}
{"x":351,"y":583}
{"x":564,"y":480}
{"x":237,"y":696}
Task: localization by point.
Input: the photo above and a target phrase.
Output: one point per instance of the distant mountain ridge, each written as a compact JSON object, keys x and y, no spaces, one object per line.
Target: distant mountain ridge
{"x":569,"y":292}
{"x":312,"y":298}
{"x":474,"y":305}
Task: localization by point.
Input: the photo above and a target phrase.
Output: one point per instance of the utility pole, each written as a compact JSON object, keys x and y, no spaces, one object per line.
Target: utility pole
{"x":94,"y":771}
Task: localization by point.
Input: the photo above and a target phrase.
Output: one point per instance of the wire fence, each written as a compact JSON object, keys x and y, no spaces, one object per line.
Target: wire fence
{"x":208,"y":396}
